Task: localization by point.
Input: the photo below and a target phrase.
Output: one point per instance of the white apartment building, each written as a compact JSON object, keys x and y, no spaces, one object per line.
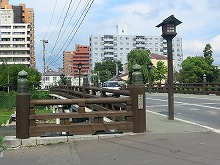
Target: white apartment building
{"x":15,"y":40}
{"x":118,"y":46}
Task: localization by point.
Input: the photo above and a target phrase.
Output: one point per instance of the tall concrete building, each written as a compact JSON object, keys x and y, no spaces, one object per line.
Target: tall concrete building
{"x":119,"y":45}
{"x":15,"y":44}
{"x":21,"y":14}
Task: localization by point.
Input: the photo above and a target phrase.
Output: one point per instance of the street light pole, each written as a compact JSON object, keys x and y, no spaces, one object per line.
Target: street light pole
{"x":149,"y":67}
{"x":170,"y":79}
{"x":169,"y":32}
{"x":79,"y":69}
{"x":44,"y":60}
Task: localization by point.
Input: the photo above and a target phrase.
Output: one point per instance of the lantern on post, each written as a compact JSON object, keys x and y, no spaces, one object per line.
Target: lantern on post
{"x":169,"y":32}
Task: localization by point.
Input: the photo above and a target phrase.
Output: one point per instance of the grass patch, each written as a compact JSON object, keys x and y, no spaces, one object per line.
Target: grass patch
{"x":5,"y":115}
{"x":43,"y":111}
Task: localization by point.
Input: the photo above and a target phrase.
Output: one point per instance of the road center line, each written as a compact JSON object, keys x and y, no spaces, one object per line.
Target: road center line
{"x":177,"y":102}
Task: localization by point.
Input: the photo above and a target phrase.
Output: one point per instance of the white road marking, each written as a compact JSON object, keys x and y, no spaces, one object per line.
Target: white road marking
{"x":157,"y":106}
{"x":194,"y":109}
{"x":204,"y":106}
{"x":213,"y":112}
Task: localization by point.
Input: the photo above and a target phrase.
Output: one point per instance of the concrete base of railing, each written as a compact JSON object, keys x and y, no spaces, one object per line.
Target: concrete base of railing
{"x":13,"y":142}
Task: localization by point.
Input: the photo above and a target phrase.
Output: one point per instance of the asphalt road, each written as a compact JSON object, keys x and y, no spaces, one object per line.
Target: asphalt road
{"x":201,"y":109}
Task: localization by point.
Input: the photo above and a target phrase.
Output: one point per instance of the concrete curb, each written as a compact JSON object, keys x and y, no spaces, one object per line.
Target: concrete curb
{"x":11,"y":142}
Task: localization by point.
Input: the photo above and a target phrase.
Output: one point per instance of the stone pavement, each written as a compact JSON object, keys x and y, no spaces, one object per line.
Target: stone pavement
{"x":165,"y":143}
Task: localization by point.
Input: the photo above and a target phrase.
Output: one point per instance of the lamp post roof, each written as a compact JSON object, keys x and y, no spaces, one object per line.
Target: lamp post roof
{"x":170,"y":19}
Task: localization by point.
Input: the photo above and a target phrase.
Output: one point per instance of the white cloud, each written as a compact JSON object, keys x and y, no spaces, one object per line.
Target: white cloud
{"x":215,"y":43}
{"x":141,"y":9}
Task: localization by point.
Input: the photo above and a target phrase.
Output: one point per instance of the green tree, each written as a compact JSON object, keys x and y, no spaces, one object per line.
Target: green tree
{"x":9,"y":73}
{"x":160,"y":71}
{"x":207,"y":51}
{"x":106,"y":69}
{"x":193,"y":69}
{"x":140,"y":57}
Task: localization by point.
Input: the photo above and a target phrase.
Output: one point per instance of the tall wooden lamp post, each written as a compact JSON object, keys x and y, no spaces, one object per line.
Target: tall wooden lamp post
{"x":169,"y":32}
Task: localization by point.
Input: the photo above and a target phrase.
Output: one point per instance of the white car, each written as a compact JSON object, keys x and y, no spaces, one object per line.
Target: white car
{"x":111,"y":85}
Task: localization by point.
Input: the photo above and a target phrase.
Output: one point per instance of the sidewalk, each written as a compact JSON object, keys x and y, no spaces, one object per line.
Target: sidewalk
{"x":165,"y":143}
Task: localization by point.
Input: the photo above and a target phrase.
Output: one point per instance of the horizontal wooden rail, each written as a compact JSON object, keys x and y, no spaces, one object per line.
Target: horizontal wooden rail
{"x":79,"y":101}
{"x":80,"y":128}
{"x":81,"y":115}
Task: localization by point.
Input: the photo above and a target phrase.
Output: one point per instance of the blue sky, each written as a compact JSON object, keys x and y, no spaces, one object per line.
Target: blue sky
{"x":200,"y":25}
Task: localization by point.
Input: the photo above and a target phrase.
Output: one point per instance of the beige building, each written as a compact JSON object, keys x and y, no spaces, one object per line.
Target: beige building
{"x":68,"y":62}
{"x":23,"y":15}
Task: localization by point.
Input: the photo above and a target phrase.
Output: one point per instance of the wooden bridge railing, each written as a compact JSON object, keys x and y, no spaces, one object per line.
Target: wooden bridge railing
{"x":128,"y":112}
{"x":188,"y":88}
{"x":83,"y":127}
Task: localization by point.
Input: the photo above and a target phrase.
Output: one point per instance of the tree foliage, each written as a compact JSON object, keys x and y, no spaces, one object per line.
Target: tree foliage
{"x":193,"y":68}
{"x":9,"y":74}
{"x":106,"y":70}
{"x":140,"y":57}
{"x":161,"y":71}
{"x":207,"y":51}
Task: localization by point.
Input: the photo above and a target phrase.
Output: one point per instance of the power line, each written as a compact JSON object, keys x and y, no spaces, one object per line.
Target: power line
{"x":51,"y":19}
{"x":68,"y":35}
{"x":58,"y":20}
{"x":86,"y":9}
{"x":62,"y":25}
{"x":66,"y":26}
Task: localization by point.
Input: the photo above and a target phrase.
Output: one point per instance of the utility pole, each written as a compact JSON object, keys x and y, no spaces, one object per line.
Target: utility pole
{"x":44,"y":60}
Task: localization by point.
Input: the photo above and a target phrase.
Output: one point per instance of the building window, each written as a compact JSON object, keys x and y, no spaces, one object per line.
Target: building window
{"x":54,"y":79}
{"x":47,"y":78}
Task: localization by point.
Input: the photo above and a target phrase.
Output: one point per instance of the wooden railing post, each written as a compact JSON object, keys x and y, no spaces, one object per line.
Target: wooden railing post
{"x":137,"y":94}
{"x":22,"y":107}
